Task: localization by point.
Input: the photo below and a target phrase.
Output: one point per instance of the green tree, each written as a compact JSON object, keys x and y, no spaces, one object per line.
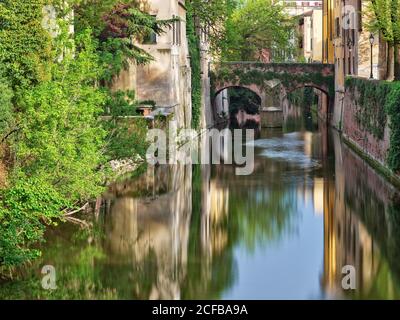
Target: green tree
{"x":126,"y":138}
{"x":211,"y":16}
{"x":257,"y":25}
{"x":384,"y":17}
{"x":58,"y":153}
{"x":61,"y":139}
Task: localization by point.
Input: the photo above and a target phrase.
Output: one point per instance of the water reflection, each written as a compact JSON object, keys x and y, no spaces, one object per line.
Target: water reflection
{"x":151,"y":227}
{"x":311,"y":207}
{"x":361,"y":229}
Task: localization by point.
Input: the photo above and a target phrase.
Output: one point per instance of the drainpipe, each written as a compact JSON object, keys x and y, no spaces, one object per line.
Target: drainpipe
{"x":341,"y":112}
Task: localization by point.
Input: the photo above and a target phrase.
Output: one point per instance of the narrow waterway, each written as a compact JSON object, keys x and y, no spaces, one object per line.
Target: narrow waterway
{"x":311,"y":207}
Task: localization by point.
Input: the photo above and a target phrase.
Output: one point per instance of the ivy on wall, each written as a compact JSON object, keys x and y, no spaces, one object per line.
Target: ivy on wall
{"x":392,"y":107}
{"x":378,"y":102}
{"x":194,"y":51}
{"x":369,"y":97}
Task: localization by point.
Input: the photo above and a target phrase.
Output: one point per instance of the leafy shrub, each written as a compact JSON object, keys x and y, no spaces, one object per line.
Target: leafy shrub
{"x":126,"y":137}
{"x":25,"y":208}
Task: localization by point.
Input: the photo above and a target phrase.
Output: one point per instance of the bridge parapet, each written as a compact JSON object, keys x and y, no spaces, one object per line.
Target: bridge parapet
{"x":290,"y":75}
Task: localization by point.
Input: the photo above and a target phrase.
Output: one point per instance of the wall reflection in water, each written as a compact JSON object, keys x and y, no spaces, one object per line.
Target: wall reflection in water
{"x":361,"y":225}
{"x":147,"y":226}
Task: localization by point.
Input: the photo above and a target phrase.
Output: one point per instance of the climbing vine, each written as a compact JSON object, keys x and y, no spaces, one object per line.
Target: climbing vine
{"x":392,"y":107}
{"x":368,"y":97}
{"x":194,"y":51}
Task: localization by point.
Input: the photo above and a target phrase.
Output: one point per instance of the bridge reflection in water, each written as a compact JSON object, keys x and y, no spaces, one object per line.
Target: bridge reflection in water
{"x":181,"y":232}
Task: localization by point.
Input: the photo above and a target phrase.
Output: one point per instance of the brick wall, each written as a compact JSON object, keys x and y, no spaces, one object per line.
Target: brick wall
{"x":360,"y":136}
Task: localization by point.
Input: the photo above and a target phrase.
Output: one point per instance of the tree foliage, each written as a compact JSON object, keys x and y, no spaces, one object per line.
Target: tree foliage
{"x":211,"y":16}
{"x":256,"y":26}
{"x":384,"y":17}
{"x":25,"y":47}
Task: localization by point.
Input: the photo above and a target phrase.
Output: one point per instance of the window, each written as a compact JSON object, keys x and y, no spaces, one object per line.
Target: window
{"x":301,"y":43}
{"x":177,"y":32}
{"x":337,"y":27}
{"x":350,"y":69}
{"x":150,"y":38}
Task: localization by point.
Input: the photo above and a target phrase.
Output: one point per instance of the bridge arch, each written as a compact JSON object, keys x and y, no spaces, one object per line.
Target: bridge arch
{"x":307,"y":85}
{"x":254,"y":88}
{"x":218,"y":105}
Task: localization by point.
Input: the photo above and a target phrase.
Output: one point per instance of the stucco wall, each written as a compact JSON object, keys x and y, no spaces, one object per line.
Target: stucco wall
{"x":317,"y":36}
{"x":167,"y":79}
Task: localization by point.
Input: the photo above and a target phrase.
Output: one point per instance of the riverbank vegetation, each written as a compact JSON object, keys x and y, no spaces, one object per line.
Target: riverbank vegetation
{"x":55,"y":86}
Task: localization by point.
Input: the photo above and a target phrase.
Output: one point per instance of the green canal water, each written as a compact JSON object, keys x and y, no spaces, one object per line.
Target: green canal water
{"x":311,"y":207}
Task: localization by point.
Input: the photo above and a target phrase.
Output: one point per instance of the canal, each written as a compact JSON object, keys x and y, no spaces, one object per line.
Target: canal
{"x":311,"y":207}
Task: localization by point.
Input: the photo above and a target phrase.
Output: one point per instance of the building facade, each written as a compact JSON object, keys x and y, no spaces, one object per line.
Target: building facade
{"x":167,"y":79}
{"x":309,"y":32}
{"x":310,"y":35}
{"x":352,"y":49}
{"x":327,"y":31}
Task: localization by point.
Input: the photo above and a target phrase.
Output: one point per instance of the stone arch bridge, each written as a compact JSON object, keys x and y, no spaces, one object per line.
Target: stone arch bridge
{"x":261,"y":77}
